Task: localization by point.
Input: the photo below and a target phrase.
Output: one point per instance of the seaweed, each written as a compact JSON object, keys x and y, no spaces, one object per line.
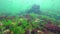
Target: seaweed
{"x":30,"y":24}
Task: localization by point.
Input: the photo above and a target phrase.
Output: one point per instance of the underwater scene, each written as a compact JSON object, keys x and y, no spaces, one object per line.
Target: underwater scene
{"x":29,"y":16}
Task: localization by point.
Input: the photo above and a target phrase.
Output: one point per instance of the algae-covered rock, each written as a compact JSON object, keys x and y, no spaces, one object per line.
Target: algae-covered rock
{"x":34,"y":9}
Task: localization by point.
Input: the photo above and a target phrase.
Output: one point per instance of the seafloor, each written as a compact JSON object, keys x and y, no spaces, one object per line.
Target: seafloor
{"x":31,"y":22}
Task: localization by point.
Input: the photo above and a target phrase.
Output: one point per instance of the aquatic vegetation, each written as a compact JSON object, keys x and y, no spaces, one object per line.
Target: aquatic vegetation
{"x":29,"y":24}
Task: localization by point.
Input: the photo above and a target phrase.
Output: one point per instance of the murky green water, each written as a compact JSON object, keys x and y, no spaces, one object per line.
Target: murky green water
{"x":16,"y":6}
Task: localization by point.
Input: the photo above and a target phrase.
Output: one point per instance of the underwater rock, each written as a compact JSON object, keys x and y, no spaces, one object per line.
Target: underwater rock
{"x":35,"y":9}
